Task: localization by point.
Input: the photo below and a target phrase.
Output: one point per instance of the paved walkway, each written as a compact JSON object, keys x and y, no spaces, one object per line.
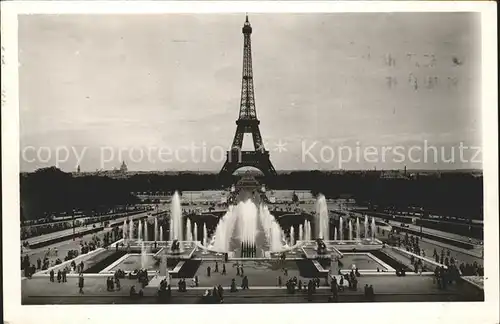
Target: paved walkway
{"x":41,"y":288}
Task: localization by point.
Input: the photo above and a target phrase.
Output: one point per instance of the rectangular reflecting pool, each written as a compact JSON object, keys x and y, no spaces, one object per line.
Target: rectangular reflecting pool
{"x":362,"y":261}
{"x":131,"y":262}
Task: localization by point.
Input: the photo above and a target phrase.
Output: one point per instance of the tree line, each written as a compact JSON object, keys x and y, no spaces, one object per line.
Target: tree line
{"x":50,"y":190}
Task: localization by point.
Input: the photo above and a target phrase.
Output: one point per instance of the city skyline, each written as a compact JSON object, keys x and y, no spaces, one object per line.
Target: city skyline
{"x":144,"y":82}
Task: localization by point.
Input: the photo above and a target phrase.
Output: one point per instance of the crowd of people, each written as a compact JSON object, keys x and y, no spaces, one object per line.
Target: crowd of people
{"x":214,"y":296}
{"x":140,"y":275}
{"x":48,"y":260}
{"x":444,"y":257}
{"x":61,"y":275}
{"x":114,"y":281}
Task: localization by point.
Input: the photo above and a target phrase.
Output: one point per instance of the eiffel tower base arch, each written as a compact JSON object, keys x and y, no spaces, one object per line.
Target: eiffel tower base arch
{"x":239,"y":159}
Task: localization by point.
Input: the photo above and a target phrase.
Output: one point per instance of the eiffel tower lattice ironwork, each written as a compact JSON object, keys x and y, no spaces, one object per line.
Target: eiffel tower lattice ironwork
{"x":247,"y":122}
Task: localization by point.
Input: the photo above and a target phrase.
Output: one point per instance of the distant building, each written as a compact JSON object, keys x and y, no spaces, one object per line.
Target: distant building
{"x":394,"y":174}
{"x":123,"y":167}
{"x":115,"y":173}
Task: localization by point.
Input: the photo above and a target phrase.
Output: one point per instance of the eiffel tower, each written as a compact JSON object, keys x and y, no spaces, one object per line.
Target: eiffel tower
{"x":247,"y":122}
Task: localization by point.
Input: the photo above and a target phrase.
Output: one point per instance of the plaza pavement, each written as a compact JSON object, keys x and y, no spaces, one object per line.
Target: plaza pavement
{"x":388,"y":288}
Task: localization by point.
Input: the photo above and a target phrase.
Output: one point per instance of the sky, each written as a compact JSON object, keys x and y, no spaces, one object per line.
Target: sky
{"x":99,"y":89}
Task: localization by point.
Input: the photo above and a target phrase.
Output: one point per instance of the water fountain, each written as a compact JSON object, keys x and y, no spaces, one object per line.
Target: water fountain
{"x":308,"y":231}
{"x":156,"y":229}
{"x":195,"y":231}
{"x":171,"y":227}
{"x":131,"y":230}
{"x":124,"y":229}
{"x":146,"y":236}
{"x":161,"y":233}
{"x":276,"y":238}
{"x":341,"y":229}
{"x":176,"y":218}
{"x":350,"y":229}
{"x":272,"y":229}
{"x":335,"y":233}
{"x":223,"y":231}
{"x":292,"y":236}
{"x":205,"y":235}
{"x":139,"y":231}
{"x":143,"y":255}
{"x":247,"y":222}
{"x":366,"y":226}
{"x":301,"y":233}
{"x":373,"y":228}
{"x":322,"y":220}
{"x":357,"y":229}
{"x":189,"y":234}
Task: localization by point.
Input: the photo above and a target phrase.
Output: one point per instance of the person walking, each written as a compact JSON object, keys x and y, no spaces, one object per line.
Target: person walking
{"x":80,"y":283}
{"x":117,"y":283}
{"x":244,"y":283}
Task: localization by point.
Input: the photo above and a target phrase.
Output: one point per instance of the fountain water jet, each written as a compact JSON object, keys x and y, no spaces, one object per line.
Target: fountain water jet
{"x":357,"y":229}
{"x":146,"y":237}
{"x":176,"y":218}
{"x":350,"y":229}
{"x":223,"y":231}
{"x":341,"y":229}
{"x":322,"y":221}
{"x":334,"y":233}
{"x":143,"y":255}
{"x":131,"y":230}
{"x":308,"y":231}
{"x":300,"y":232}
{"x":161,"y":233}
{"x":373,"y":228}
{"x":272,"y":229}
{"x":195,"y":231}
{"x":124,"y":229}
{"x":292,"y":236}
{"x":276,"y":238}
{"x":139,"y":231}
{"x":189,"y":235}
{"x":156,"y":229}
{"x":366,"y":226}
{"x":247,"y":222}
{"x":205,"y":235}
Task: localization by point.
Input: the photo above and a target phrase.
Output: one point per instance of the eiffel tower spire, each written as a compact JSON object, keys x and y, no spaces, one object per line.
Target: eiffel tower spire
{"x":247,"y":121}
